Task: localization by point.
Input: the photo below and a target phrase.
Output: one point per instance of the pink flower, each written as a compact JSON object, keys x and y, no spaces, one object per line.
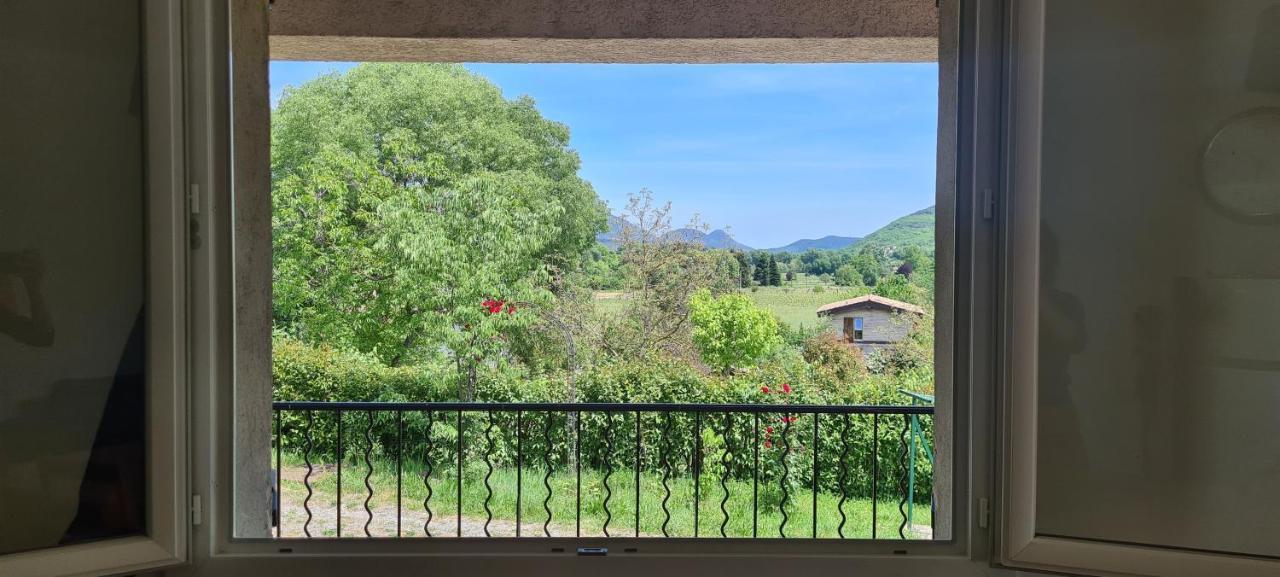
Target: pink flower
{"x":764,"y":390}
{"x":786,"y":388}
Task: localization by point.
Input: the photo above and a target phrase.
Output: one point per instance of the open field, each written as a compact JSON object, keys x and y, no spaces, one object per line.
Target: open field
{"x":796,"y":302}
{"x":563,"y":503}
{"x":798,"y":306}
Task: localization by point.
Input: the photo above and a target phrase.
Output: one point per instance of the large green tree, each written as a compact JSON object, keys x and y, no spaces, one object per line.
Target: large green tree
{"x":408,"y":199}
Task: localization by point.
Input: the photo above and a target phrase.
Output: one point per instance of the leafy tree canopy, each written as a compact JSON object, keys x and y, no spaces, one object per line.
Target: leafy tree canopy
{"x":730,"y":331}
{"x":405,"y":196}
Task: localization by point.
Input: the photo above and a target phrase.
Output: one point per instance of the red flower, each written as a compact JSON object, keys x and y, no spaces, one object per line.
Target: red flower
{"x":511,"y":309}
{"x":786,"y":388}
{"x":768,"y":430}
{"x":764,"y":390}
{"x":768,"y":444}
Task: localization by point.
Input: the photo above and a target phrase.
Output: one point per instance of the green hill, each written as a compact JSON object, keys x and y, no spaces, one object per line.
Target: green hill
{"x":916,"y":229}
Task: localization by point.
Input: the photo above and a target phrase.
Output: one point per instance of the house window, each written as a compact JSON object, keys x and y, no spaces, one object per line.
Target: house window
{"x":857,"y":328}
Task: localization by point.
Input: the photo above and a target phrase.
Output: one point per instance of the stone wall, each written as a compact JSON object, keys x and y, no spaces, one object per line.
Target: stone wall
{"x":878,"y":325}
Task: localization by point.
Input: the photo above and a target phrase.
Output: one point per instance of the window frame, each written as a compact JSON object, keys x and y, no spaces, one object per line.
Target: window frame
{"x":166,"y":541}
{"x":963,"y":168}
{"x":1020,"y":546}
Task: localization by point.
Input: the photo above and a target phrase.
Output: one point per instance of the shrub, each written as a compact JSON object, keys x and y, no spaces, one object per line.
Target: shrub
{"x":303,"y":372}
{"x":730,"y":331}
{"x":911,"y":355}
{"x":833,"y":359}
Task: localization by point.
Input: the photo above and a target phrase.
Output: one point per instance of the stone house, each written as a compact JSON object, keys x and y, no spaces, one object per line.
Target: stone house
{"x":871,"y":321}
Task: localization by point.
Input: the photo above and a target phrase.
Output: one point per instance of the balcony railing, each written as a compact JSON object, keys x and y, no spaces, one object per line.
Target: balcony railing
{"x":611,"y":470}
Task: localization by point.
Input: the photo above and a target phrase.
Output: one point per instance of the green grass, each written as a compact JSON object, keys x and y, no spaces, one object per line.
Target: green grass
{"x":563,"y":503}
{"x":798,"y":305}
{"x":795,"y":303}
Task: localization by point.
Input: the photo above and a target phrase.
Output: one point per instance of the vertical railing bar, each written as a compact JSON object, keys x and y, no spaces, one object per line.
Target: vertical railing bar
{"x":608,"y":468}
{"x":697,"y":470}
{"x":755,"y":480}
{"x":368,"y":463}
{"x":911,"y":470}
{"x":725,"y":461}
{"x":902,"y":476}
{"x":637,"y":474}
{"x":306,"y":479}
{"x":428,"y":468}
{"x":459,"y":488}
{"x":666,"y":471}
{"x":519,"y":466}
{"x":399,"y":469}
{"x":577,"y":461}
{"x":279,"y":488}
{"x":844,"y":474}
{"x":814,"y":453}
{"x":488,"y":454}
{"x":546,"y":475}
{"x":786,"y":472}
{"x":875,"y":472}
{"x":339,"y":509}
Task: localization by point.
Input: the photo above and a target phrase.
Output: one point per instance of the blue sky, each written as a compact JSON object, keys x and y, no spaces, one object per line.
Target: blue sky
{"x":773,"y":152}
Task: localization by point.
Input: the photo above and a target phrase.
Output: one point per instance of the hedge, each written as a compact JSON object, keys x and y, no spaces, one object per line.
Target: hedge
{"x":303,"y":372}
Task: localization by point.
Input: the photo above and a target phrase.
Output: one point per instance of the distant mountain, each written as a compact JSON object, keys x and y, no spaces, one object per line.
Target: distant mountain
{"x":915,"y":229}
{"x":612,"y":237}
{"x":716,"y":239}
{"x":830,"y":242}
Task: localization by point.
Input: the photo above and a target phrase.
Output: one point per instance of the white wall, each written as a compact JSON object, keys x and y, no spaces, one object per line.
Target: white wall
{"x":1157,"y":439}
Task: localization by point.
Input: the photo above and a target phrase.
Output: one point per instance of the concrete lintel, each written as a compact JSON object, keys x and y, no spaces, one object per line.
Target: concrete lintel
{"x":695,"y":50}
{"x":583,"y":19}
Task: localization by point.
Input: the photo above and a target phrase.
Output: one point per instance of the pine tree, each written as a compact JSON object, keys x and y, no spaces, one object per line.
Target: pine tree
{"x":775,"y":277}
{"x":761,"y":275}
{"x":744,"y":268}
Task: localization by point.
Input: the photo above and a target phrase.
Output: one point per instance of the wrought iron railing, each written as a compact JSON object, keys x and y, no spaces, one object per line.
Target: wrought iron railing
{"x":802,"y":448}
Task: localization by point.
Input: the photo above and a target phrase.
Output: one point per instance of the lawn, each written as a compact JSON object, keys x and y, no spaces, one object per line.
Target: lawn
{"x":796,"y":303}
{"x":563,"y":503}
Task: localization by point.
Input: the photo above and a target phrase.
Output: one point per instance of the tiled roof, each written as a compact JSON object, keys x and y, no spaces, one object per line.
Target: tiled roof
{"x":871,"y":299}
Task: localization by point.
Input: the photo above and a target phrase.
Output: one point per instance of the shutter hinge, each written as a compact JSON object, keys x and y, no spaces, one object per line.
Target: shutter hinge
{"x":197,"y":510}
{"x":988,"y":204}
{"x":984,"y":513}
